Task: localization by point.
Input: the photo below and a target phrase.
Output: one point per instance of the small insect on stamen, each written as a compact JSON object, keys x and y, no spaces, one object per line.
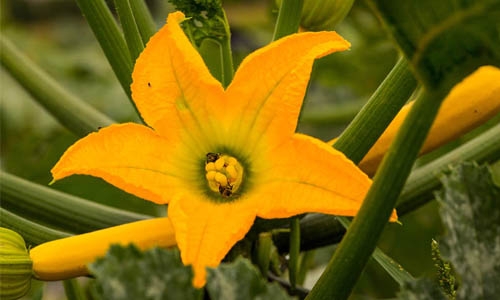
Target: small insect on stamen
{"x":212,"y":157}
{"x":226,"y":191}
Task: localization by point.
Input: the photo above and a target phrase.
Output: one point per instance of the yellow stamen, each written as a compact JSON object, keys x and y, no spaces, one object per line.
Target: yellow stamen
{"x":219,"y":164}
{"x":231,"y":161}
{"x":221,"y":179}
{"x":224,"y":176}
{"x":210,"y":167}
{"x":231,"y":171}
{"x":210,"y":175}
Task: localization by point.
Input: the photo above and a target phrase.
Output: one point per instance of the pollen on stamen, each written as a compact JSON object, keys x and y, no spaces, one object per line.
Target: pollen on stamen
{"x":210,"y":167}
{"x":231,"y":171}
{"x":219,"y":164}
{"x":224,"y":174}
{"x":221,"y":179}
{"x":210,"y":175}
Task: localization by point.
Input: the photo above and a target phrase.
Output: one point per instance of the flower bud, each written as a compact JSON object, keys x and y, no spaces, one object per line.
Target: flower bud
{"x":15,"y":265}
{"x":324,"y":14}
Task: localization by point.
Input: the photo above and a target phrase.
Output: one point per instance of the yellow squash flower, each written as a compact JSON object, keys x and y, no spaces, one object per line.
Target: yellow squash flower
{"x":220,"y":158}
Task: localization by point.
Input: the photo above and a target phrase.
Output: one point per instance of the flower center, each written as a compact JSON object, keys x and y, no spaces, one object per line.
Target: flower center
{"x":224,"y":173}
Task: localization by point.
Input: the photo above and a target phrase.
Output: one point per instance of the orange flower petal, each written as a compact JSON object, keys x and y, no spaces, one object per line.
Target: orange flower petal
{"x":469,"y":104}
{"x":307,"y":175}
{"x":172,"y":87}
{"x":268,"y":88}
{"x":206,"y":231}
{"x":129,"y":156}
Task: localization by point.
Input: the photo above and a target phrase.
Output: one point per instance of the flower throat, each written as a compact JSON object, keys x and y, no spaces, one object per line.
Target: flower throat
{"x":224,"y":174}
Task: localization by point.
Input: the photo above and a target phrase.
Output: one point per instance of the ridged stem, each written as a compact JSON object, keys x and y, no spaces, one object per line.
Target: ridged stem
{"x":72,"y":112}
{"x":360,"y":239}
{"x":33,"y":233}
{"x":57,"y":209}
{"x":288,"y":18}
{"x":377,"y":114}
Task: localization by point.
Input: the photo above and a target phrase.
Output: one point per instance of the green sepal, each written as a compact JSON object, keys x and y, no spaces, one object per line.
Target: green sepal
{"x":206,"y":19}
{"x":207,"y":28}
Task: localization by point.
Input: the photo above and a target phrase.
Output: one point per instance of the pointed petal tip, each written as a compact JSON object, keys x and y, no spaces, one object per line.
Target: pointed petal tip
{"x":394,"y":217}
{"x":176,"y":16}
{"x":199,"y":277}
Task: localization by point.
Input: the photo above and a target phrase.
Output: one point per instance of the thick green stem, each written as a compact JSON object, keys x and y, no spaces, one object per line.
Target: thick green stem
{"x":73,"y":290}
{"x":227,"y":62}
{"x":33,"y":233}
{"x":58,"y":209}
{"x":211,"y":51}
{"x":73,"y":113}
{"x":322,"y":230}
{"x":423,"y":180}
{"x":111,"y":40}
{"x":143,"y":19}
{"x":263,"y":252}
{"x":293,"y":263}
{"x":360,"y":240}
{"x":227,"y":55}
{"x":216,"y":53}
{"x":378,"y":112}
{"x":288,"y":18}
{"x":130,"y":29}
{"x":397,"y":272}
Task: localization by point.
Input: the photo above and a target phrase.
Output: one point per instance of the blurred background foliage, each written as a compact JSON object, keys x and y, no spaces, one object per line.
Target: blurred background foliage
{"x":54,"y":34}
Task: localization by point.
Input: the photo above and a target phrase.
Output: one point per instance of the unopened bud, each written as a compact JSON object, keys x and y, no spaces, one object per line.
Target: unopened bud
{"x":324,"y":14}
{"x":15,"y":265}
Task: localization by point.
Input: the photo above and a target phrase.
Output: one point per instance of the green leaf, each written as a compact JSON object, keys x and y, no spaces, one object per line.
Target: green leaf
{"x":128,"y":273}
{"x":470,"y":211}
{"x":421,"y":289}
{"x":444,"y":40}
{"x":240,"y":280}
